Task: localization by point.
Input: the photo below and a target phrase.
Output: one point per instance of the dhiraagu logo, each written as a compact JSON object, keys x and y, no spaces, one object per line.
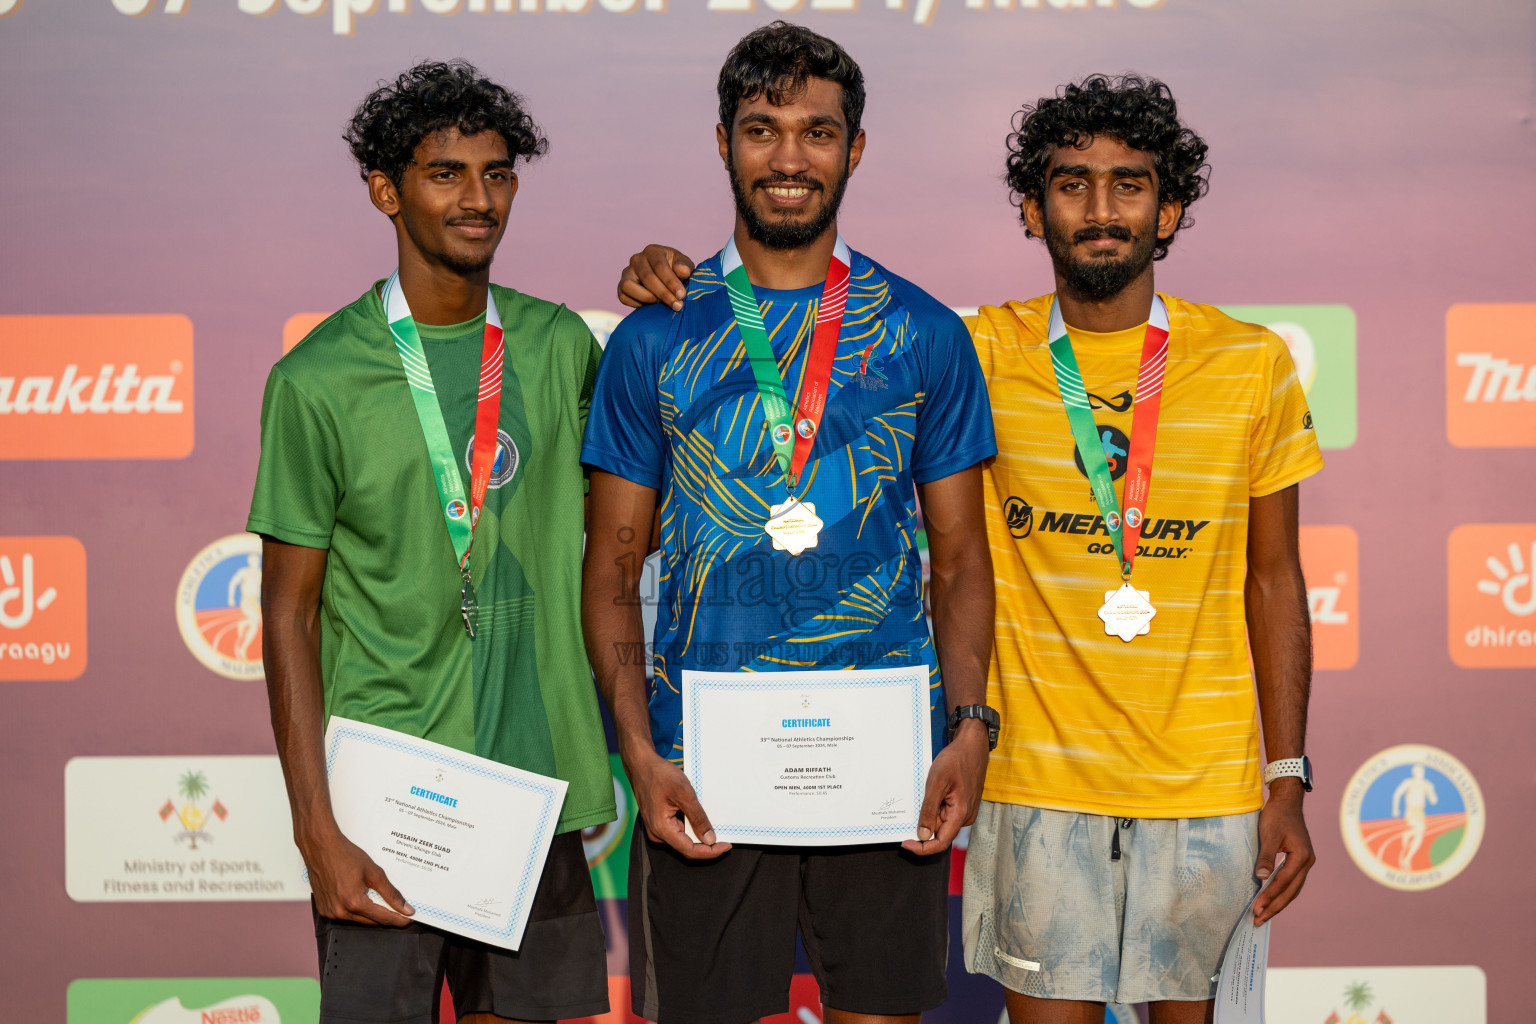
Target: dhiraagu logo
{"x":193,"y":1001}
{"x":1322,"y":344}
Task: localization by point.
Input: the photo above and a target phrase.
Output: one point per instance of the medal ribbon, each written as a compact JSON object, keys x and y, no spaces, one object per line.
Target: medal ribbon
{"x":459,"y":516}
{"x":792,"y":442}
{"x":1143,"y":441}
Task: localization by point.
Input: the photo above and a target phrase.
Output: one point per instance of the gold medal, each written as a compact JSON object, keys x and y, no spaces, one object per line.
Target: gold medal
{"x":1127,"y":612}
{"x":793,"y":525}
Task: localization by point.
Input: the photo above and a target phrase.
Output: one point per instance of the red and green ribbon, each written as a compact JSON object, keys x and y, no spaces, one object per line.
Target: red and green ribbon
{"x":459,"y":514}
{"x":793,"y":435}
{"x":1143,"y":440}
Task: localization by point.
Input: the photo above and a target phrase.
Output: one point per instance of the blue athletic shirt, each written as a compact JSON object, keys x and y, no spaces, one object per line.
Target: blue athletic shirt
{"x":676,"y":408}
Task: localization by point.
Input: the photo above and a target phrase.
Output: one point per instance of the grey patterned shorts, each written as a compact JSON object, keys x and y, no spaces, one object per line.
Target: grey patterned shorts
{"x":1061,"y":905}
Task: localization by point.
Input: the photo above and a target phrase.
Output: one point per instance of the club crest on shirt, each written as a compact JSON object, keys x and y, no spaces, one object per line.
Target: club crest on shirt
{"x":504,"y":466}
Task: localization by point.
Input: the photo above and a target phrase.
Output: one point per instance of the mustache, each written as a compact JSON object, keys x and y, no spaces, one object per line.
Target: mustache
{"x":1119,"y":232}
{"x":479,"y":222}
{"x":778,"y":178}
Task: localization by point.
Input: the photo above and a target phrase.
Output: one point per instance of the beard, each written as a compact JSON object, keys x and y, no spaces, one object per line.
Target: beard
{"x":785,"y":233}
{"x":1098,"y":277}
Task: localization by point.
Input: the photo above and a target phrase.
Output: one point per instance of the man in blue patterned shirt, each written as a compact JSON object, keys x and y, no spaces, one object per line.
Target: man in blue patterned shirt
{"x":685,"y":428}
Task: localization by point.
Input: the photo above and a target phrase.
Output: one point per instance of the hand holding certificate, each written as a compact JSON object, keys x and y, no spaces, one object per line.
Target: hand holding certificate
{"x":463,"y":838}
{"x":815,"y":758}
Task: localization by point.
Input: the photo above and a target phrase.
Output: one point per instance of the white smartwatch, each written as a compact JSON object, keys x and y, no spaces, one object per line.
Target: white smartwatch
{"x":1300,"y":767}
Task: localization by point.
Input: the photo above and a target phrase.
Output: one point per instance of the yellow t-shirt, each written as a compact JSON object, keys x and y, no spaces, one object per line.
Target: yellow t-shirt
{"x":1164,"y":726}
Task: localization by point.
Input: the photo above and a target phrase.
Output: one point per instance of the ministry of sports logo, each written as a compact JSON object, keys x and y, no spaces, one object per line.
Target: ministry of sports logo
{"x":218,"y":606}
{"x":189,"y":816}
{"x":1412,"y":817}
{"x":504,"y":466}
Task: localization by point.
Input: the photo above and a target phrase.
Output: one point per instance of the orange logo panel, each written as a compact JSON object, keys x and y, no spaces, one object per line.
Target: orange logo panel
{"x":42,"y":608}
{"x":299,"y":325}
{"x":1490,"y":375}
{"x":1330,"y":560}
{"x":95,"y":387}
{"x":1492,"y":600}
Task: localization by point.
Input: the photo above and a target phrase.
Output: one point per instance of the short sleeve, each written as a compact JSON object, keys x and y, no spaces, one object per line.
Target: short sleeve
{"x":298,"y":480}
{"x":624,"y":433}
{"x":954,"y":419}
{"x":1283,"y":444}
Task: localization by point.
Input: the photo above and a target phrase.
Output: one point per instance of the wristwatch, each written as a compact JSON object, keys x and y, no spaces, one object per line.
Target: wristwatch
{"x":1301,"y":767}
{"x":989,"y":717}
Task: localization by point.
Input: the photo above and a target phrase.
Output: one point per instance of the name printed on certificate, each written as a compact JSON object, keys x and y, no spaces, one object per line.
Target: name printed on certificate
{"x":815,"y":758}
{"x":463,"y":838}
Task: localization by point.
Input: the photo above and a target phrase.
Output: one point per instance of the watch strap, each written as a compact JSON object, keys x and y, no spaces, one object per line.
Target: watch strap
{"x":1285,"y":767}
{"x":988,"y":716}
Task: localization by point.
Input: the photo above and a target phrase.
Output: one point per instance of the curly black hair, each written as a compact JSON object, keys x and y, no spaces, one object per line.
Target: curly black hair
{"x":1139,"y":112}
{"x":777,"y":60}
{"x":432,"y":96}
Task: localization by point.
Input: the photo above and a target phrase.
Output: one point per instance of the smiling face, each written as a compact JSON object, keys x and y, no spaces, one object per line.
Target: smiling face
{"x":789,"y":164}
{"x":1100,"y":216}
{"x":452,"y":201}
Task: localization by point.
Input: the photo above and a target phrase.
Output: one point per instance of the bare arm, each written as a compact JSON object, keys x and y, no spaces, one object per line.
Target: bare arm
{"x":960,"y":582}
{"x":619,"y":532}
{"x":339,"y":873}
{"x":1280,"y":637}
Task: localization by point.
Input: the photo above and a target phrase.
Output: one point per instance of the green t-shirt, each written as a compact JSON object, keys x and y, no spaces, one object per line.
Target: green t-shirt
{"x":344,"y":467}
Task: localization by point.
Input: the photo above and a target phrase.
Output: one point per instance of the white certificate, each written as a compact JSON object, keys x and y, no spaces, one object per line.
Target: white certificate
{"x":463,"y":838}
{"x":1240,"y":990}
{"x":819,"y":758}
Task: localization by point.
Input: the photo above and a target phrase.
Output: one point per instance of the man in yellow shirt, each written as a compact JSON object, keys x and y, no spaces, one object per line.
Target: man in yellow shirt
{"x":1142,"y":510}
{"x":1142,"y":514}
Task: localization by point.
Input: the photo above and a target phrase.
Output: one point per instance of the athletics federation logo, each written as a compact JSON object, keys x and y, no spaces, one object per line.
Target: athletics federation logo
{"x":504,"y":466}
{"x":806,"y":429}
{"x":781,"y":434}
{"x":218,"y":606}
{"x":455,"y":509}
{"x":1412,"y":817}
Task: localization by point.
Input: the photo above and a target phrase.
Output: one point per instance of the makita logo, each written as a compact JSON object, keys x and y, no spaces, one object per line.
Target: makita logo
{"x":96,"y":387}
{"x":108,"y":391}
{"x":1497,"y":380}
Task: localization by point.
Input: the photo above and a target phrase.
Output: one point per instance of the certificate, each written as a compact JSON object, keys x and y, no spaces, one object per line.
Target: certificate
{"x":818,"y":758}
{"x":1240,"y":990}
{"x":463,"y":838}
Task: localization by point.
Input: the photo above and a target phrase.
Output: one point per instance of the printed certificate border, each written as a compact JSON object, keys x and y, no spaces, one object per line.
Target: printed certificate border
{"x":815,"y":679}
{"x":453,"y":758}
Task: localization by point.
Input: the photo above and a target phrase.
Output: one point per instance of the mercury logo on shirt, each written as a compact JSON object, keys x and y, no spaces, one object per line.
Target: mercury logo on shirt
{"x":1084,"y":524}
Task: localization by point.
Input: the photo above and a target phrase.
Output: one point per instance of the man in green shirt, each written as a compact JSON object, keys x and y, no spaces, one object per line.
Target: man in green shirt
{"x":439,"y":604}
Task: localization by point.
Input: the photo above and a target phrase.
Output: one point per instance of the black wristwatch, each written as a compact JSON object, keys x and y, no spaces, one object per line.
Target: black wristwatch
{"x":989,"y":717}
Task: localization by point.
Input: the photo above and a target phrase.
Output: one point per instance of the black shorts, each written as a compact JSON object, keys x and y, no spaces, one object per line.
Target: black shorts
{"x":375,"y":973}
{"x":713,"y":942}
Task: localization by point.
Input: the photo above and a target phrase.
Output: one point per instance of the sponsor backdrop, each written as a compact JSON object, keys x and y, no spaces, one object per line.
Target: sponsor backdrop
{"x":179,"y":209}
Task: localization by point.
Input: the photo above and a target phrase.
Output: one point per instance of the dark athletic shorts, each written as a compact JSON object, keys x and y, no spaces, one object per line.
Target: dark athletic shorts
{"x":377,"y":974}
{"x":713,"y":942}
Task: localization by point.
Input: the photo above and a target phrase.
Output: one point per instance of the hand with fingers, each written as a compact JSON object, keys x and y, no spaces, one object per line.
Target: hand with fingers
{"x":666,"y":798}
{"x":1282,"y":829}
{"x":953,"y":792}
{"x":340,"y":875}
{"x":656,"y":274}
